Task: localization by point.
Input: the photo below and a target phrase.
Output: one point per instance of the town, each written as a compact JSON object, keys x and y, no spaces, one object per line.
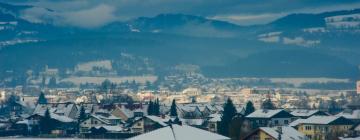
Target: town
{"x":111,"y":111}
{"x":180,"y":69}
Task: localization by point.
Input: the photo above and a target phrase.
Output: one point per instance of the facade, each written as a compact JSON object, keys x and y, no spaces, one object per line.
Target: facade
{"x":276,"y":133}
{"x":92,"y":121}
{"x":148,"y":123}
{"x":265,"y":118}
{"x":323,"y":127}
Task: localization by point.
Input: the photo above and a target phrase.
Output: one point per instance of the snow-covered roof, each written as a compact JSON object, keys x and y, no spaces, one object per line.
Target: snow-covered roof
{"x":264,"y":113}
{"x":296,"y":122}
{"x":111,"y":128}
{"x":57,"y":117}
{"x":215,"y":118}
{"x":100,"y":118}
{"x":315,"y":120}
{"x":303,"y":112}
{"x":350,"y":114}
{"x":179,"y":132}
{"x":355,"y":138}
{"x":288,"y":133}
{"x":23,"y":122}
{"x":193,"y":121}
{"x":159,"y":120}
{"x":61,"y":108}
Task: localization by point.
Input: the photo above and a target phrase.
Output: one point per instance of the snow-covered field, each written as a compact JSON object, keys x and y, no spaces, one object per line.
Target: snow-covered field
{"x":299,"y":81}
{"x":117,"y":80}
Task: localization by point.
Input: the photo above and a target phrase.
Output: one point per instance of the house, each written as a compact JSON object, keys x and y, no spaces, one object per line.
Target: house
{"x":212,"y":122}
{"x":148,"y":123}
{"x":304,"y":113}
{"x":275,"y":133}
{"x":63,"y":125}
{"x":179,"y":132}
{"x":189,"y":111}
{"x":265,"y":117}
{"x":63,"y":109}
{"x":323,"y":127}
{"x":351,"y":114}
{"x":92,"y":121}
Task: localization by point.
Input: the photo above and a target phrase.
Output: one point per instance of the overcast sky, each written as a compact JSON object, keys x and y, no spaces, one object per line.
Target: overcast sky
{"x":93,"y":13}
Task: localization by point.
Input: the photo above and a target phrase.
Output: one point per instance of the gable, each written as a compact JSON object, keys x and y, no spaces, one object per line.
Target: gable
{"x":341,"y":121}
{"x":283,"y":114}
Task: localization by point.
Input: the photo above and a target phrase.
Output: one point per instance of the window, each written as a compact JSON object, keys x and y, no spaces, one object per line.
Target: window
{"x":95,"y":122}
{"x":309,"y":136}
{"x":138,"y":124}
{"x":307,"y":127}
{"x":276,"y":122}
{"x":286,"y":121}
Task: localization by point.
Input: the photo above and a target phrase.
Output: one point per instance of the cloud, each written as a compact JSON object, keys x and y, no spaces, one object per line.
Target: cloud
{"x":236,"y":11}
{"x":89,"y":18}
{"x":249,"y":19}
{"x":86,"y":18}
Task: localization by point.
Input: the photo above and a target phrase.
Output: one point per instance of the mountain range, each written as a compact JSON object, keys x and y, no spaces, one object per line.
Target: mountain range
{"x":297,"y":45}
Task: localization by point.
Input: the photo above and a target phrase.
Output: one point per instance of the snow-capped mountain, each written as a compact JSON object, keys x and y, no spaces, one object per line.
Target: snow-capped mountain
{"x":307,"y":45}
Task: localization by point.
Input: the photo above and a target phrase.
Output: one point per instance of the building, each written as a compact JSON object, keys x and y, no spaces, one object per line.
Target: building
{"x":358,"y":87}
{"x":148,"y":123}
{"x":265,"y":118}
{"x":179,"y":132}
{"x":63,"y":125}
{"x":353,"y":115}
{"x":323,"y":127}
{"x":304,"y":113}
{"x":63,"y":109}
{"x":92,"y":121}
{"x":276,"y":133}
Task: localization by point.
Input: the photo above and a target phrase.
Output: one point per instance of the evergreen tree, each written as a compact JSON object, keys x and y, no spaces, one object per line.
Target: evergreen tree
{"x":134,"y":86}
{"x":173,"y":112}
{"x":45,"y":123}
{"x":333,"y":107}
{"x":42,"y":99}
{"x":267,"y":104}
{"x":157,"y":107}
{"x":228,"y":114}
{"x":249,"y":108}
{"x":52,"y":82}
{"x":105,"y":85}
{"x":150,"y":109}
{"x":82,"y":115}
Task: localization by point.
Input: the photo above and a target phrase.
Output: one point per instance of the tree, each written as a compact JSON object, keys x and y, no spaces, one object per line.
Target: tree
{"x":249,"y":108}
{"x":267,"y":104}
{"x":134,"y":86}
{"x":45,"y":123}
{"x":173,"y":112}
{"x":105,"y":85}
{"x":333,"y":107}
{"x":52,"y":82}
{"x":148,"y":85}
{"x":157,"y":107}
{"x":42,"y":99}
{"x":150,"y":109}
{"x":82,"y":115}
{"x":228,"y":114}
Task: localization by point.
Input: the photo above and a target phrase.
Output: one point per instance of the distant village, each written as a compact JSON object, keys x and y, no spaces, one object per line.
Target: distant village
{"x":90,"y":103}
{"x":145,"y":113}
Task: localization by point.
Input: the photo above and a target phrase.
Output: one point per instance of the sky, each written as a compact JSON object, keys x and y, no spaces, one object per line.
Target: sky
{"x":95,"y":13}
